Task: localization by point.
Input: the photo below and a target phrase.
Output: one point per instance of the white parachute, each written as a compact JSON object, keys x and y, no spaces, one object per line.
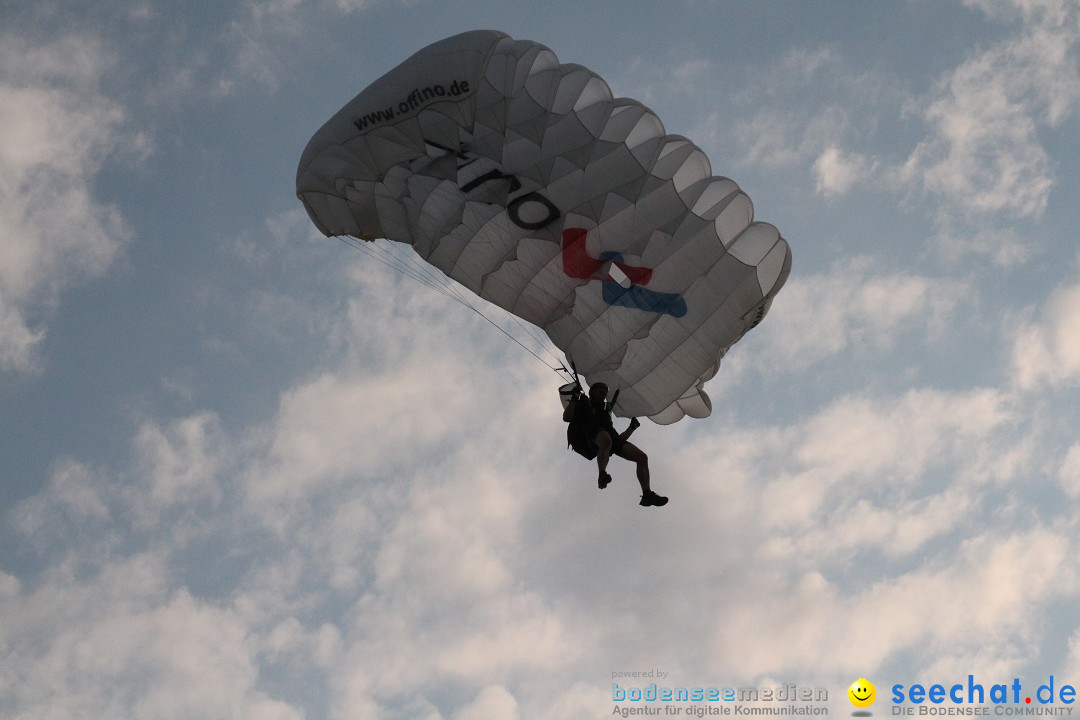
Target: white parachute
{"x":524,"y":180}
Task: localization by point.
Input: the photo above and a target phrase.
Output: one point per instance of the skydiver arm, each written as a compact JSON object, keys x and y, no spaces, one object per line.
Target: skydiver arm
{"x":568,"y":413}
{"x":571,"y":407}
{"x":634,"y":425}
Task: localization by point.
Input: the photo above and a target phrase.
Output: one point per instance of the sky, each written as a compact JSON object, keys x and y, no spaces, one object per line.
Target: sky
{"x":247,"y":472}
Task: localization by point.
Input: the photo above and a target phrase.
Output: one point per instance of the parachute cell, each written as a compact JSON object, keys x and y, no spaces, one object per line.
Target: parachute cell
{"x":527,"y":182}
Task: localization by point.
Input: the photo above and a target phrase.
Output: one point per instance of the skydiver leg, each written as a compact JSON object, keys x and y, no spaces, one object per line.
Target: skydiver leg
{"x":636,"y":455}
{"x":603,"y":454}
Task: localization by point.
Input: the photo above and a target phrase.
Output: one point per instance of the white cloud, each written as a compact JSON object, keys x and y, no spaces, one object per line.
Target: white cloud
{"x":358,"y":5}
{"x":958,"y":242}
{"x":58,"y":127}
{"x":1069,"y":472}
{"x":71,"y":505}
{"x":180,"y":464}
{"x":779,"y":139}
{"x":863,"y":533}
{"x":253,"y":37}
{"x":1046,"y":352}
{"x":860,"y":437}
{"x":367,"y":544}
{"x":423,"y":568}
{"x":851,"y":307}
{"x":808,"y":109}
{"x":1052,"y":13}
{"x":837,"y":171}
{"x":984,"y":154}
{"x":493,"y":701}
{"x":654,"y":84}
{"x":122,"y":644}
{"x":864,"y":475}
{"x":873,"y":475}
{"x":263,"y":26}
{"x":978,"y":604}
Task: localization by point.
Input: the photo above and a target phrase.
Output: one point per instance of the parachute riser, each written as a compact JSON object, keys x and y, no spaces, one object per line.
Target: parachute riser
{"x":609,"y":406}
{"x":614,"y":399}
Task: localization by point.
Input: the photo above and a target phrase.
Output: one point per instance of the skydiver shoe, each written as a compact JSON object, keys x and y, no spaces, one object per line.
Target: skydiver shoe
{"x":603,"y":480}
{"x":652,"y":499}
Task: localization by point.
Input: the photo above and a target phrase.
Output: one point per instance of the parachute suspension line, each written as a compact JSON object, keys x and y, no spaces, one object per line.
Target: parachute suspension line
{"x":437,"y":280}
{"x":403,"y":267}
{"x":540,"y":340}
{"x":404,"y":263}
{"x":521,"y":344}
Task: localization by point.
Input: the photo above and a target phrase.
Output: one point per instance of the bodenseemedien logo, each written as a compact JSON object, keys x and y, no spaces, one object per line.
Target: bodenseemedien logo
{"x":787,"y":700}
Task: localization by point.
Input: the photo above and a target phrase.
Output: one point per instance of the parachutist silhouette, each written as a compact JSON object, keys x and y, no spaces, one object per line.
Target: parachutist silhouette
{"x":592,"y":419}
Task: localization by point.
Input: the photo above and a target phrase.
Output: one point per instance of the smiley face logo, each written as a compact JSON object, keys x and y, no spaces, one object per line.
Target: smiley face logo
{"x":862,"y":693}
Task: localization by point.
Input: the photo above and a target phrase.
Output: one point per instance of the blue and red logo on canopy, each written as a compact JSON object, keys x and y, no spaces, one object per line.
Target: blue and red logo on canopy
{"x":577,"y":263}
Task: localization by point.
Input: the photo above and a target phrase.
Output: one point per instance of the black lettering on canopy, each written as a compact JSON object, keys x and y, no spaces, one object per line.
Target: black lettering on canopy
{"x":548,"y":212}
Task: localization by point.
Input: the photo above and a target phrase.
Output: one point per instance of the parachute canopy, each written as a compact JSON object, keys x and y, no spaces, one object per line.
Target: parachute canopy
{"x":524,"y":180}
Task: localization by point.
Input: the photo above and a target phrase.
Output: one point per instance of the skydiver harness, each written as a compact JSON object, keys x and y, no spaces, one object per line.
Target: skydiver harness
{"x":586,"y":421}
